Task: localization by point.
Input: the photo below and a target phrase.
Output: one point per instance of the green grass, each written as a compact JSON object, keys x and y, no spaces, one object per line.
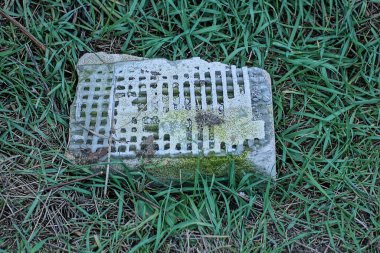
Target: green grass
{"x":324,"y":59}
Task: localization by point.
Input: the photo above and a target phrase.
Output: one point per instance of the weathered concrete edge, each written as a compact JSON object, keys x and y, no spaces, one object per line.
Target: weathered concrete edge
{"x":266,"y":162}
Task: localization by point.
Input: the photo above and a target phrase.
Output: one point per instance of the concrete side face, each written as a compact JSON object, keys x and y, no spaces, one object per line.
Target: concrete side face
{"x":172,"y":109}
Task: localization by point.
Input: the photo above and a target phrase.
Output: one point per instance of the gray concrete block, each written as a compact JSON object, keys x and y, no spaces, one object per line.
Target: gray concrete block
{"x":162,"y":110}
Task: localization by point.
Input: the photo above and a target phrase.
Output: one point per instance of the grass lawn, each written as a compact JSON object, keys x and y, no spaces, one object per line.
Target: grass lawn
{"x":324,"y":60}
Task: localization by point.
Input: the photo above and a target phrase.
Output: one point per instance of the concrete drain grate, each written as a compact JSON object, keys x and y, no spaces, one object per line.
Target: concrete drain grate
{"x":160,"y":108}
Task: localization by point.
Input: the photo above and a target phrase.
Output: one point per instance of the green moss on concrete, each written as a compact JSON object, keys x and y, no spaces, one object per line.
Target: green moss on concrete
{"x":184,"y":168}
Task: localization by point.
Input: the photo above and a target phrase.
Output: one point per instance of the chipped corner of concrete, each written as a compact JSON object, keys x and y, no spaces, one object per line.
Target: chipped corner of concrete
{"x":172,"y":110}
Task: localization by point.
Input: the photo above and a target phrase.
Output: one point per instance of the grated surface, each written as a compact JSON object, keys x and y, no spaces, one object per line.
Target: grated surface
{"x":162,"y":108}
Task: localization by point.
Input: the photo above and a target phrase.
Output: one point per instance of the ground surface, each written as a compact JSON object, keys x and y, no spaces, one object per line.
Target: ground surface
{"x":324,"y":59}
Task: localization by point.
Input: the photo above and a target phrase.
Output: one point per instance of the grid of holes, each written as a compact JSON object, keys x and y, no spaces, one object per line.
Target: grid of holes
{"x":92,"y":124}
{"x":187,"y":91}
{"x":130,"y":138}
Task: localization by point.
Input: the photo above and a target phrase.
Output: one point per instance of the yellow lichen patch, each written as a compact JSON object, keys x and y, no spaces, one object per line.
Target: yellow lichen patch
{"x":175,"y":124}
{"x":238,"y":126}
